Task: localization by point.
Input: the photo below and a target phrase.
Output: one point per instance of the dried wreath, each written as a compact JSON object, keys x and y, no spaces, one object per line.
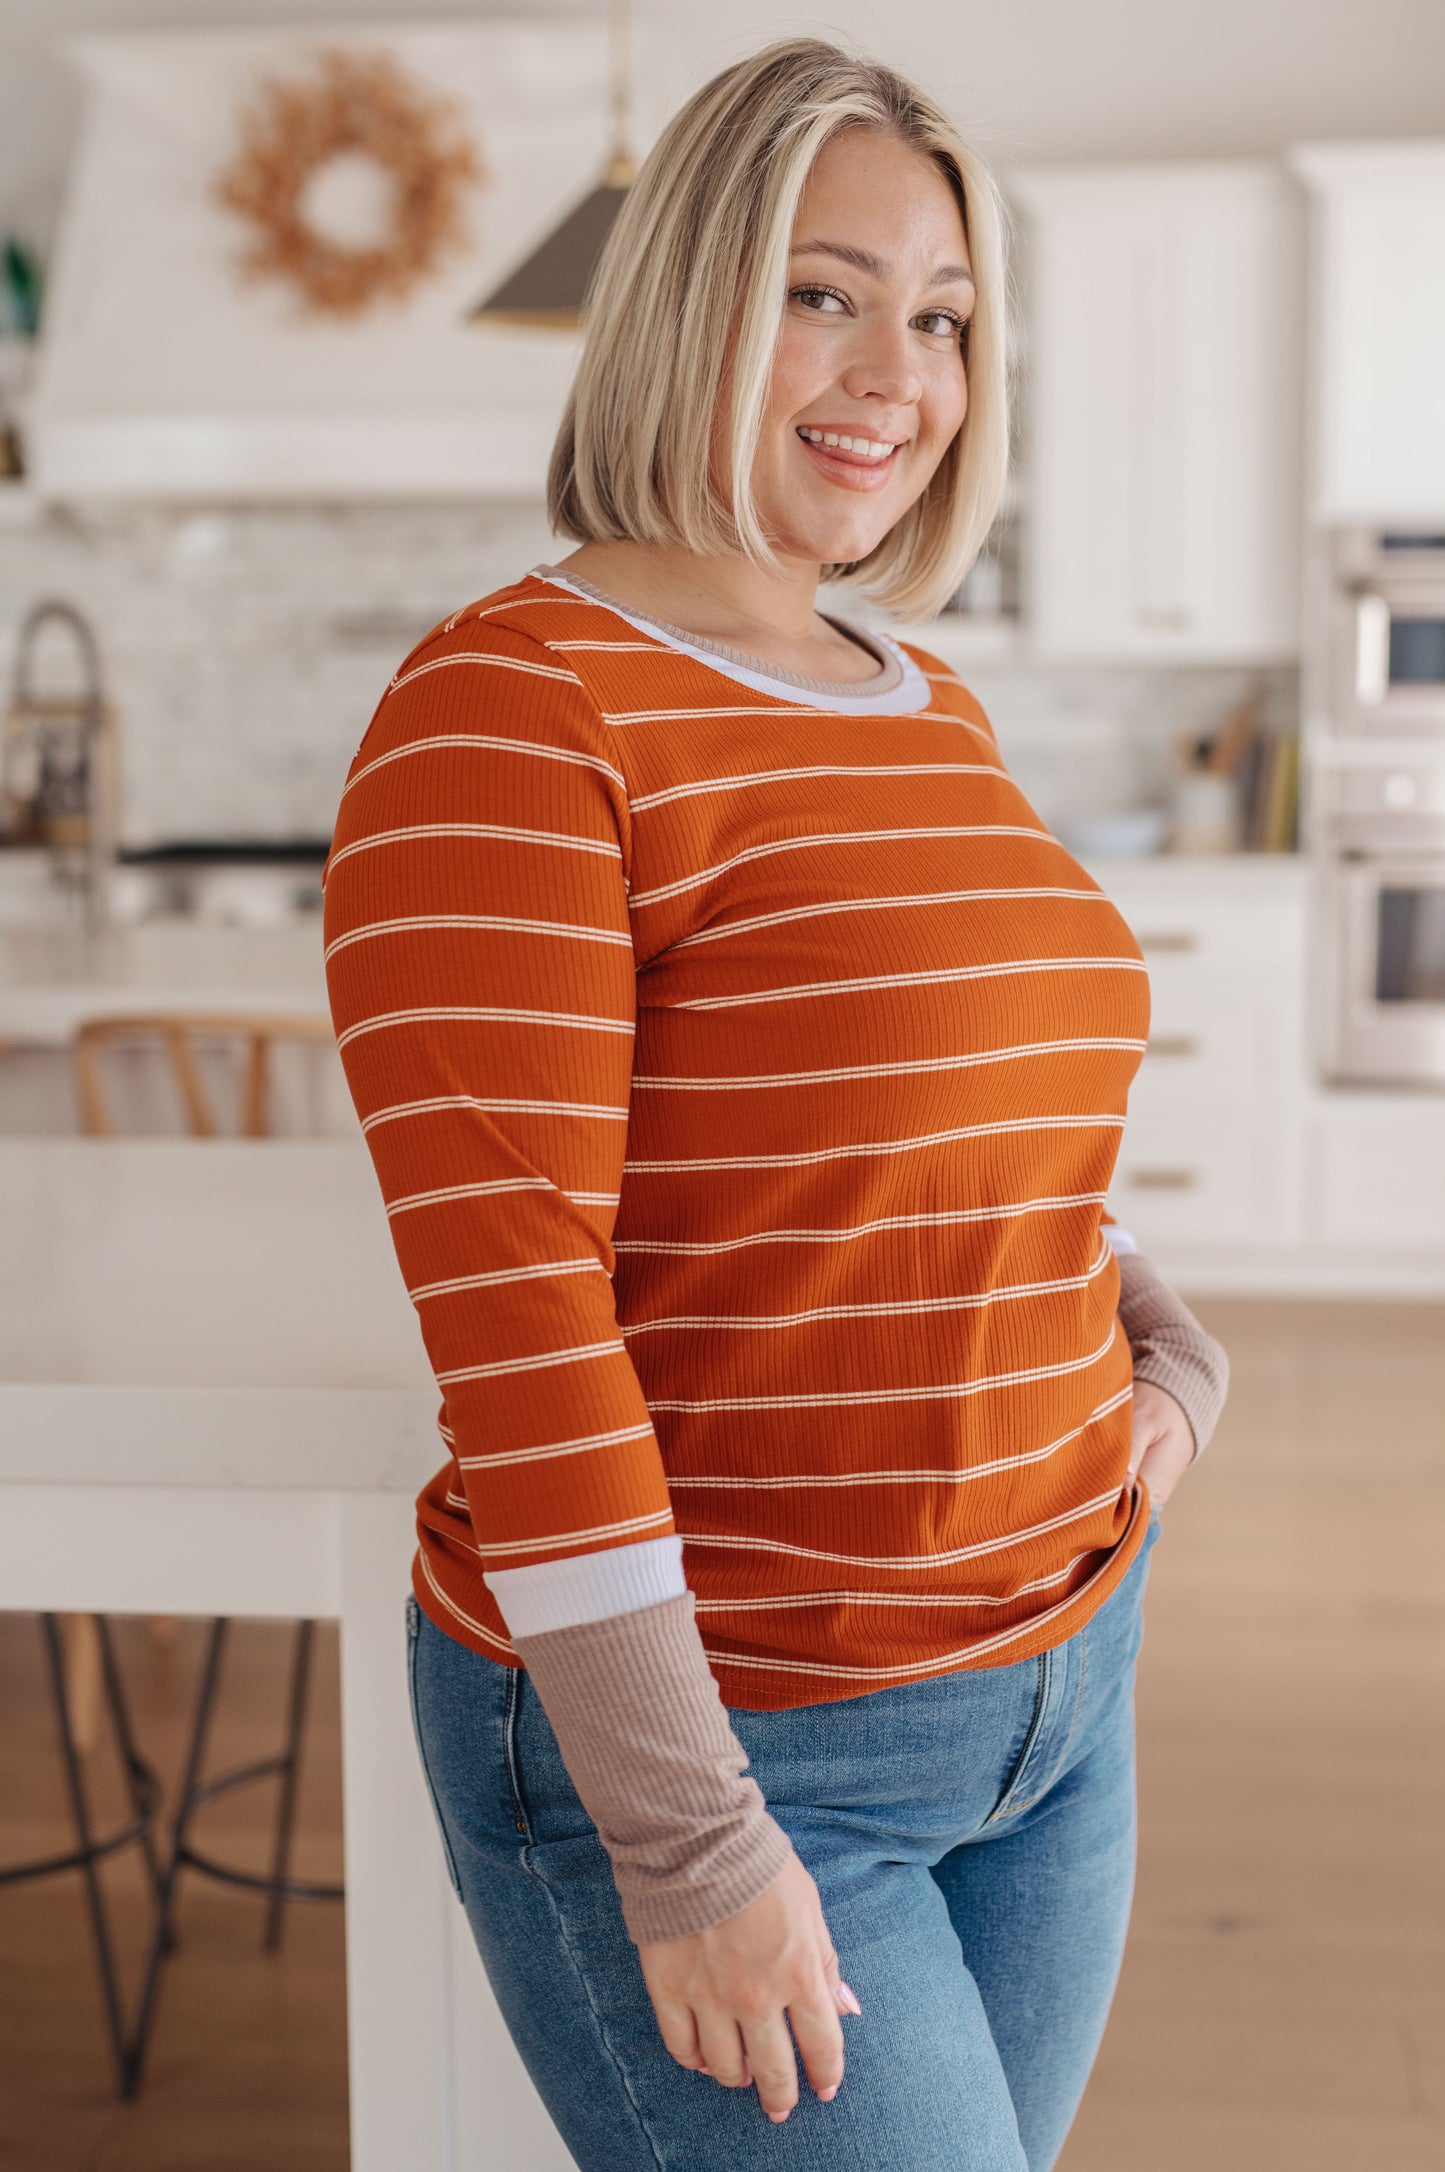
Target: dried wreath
{"x":356,"y":106}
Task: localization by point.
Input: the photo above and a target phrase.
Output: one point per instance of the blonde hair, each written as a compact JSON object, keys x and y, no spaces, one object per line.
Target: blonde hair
{"x":703,"y":239}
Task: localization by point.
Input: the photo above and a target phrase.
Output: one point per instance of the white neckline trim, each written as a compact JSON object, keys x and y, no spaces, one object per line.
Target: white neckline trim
{"x":911,"y":693}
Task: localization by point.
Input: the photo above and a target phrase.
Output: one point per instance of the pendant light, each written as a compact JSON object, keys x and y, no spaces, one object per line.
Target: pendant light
{"x":550,"y":286}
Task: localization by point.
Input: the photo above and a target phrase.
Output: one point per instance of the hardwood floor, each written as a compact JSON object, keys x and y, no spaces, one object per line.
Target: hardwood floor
{"x":1283,"y":1999}
{"x":248,"y":2064}
{"x":1282,"y":2005}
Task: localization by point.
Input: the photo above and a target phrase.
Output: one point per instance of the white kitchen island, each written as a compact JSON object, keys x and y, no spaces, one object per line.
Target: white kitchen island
{"x":214,"y":1399}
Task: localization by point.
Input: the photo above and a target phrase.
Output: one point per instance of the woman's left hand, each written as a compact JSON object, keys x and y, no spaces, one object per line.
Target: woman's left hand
{"x":1163,"y":1446}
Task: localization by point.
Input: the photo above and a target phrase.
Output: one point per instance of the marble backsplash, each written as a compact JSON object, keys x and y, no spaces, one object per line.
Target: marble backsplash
{"x":244,"y":650}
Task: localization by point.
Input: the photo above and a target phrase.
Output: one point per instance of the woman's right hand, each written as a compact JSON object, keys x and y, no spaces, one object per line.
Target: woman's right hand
{"x":724,"y":1996}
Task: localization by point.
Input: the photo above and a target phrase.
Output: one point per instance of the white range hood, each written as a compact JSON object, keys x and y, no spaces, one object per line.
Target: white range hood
{"x":163,"y":374}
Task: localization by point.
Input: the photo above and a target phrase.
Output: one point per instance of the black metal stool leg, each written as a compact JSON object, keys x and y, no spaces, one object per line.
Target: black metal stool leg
{"x":137,"y":1773}
{"x":80,"y":1810}
{"x":163,"y":1938}
{"x":290,"y":1778}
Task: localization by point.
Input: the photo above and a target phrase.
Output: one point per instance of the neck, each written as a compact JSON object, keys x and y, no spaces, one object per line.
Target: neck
{"x":724,"y":598}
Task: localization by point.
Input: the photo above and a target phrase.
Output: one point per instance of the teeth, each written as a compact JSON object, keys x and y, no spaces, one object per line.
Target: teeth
{"x":870,"y":448}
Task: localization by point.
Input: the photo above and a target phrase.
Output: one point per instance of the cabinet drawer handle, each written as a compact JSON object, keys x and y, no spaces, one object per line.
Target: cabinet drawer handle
{"x":1176,"y":939}
{"x":1164,"y":618}
{"x":1163,"y":1180}
{"x":1172,"y":1044}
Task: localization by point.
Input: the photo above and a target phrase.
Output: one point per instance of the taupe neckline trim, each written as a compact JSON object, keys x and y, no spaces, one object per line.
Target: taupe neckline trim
{"x":889,"y":677}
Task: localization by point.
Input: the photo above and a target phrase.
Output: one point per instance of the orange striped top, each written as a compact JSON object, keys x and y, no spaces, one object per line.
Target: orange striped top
{"x":744,"y":1073}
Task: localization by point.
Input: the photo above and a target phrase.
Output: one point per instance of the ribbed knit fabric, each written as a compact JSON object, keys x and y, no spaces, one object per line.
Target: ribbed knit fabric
{"x":744,"y":1081}
{"x":1171,"y":1349}
{"x":688,"y":1833}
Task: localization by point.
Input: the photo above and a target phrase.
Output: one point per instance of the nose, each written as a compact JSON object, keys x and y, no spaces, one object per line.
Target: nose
{"x":883,"y":365}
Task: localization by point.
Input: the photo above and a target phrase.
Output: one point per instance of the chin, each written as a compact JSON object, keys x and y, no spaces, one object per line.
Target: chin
{"x":823,"y":547}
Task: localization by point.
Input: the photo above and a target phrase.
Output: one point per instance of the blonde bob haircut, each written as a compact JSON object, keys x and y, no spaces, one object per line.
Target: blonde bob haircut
{"x":702,"y":244}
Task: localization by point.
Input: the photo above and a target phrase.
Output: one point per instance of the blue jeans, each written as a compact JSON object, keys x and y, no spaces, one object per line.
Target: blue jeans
{"x":972,"y":1838}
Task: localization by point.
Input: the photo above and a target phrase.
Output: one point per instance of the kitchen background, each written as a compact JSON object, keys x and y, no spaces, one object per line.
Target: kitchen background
{"x":1210,"y":630}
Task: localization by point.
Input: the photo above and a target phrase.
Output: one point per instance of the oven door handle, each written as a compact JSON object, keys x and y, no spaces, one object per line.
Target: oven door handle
{"x":1372,"y":650}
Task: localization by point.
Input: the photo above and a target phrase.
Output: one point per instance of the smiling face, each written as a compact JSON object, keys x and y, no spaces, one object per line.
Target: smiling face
{"x":868,"y":386}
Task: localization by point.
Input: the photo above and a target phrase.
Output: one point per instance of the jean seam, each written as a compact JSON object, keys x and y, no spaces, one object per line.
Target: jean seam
{"x":413,"y":1623}
{"x":511,"y":1711}
{"x":598,"y":2023}
{"x":1005,"y":1803}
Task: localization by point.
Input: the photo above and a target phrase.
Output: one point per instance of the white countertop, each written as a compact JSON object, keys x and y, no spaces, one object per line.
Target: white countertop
{"x":206,"y":1312}
{"x":50,"y":979}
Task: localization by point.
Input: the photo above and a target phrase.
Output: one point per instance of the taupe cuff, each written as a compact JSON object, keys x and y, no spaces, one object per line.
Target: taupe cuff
{"x":648,"y":1746}
{"x":1170,"y":1348}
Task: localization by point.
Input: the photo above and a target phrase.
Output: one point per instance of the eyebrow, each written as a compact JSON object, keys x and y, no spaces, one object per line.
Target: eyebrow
{"x":864,"y":260}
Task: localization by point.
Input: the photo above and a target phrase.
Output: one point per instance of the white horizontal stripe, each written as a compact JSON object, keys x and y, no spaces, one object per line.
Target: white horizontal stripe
{"x":720,"y":932}
{"x":473,"y":1011}
{"x":488,"y":658}
{"x":749,"y":1544}
{"x":541,"y":749}
{"x":975,"y":1650}
{"x":1002,"y":969}
{"x":512,"y":924}
{"x":493,"y":610}
{"x":880,"y":1146}
{"x":729,"y":1481}
{"x":886,"y":1598}
{"x":538,"y":1362}
{"x":779,"y":706}
{"x":620,"y":648}
{"x":470,"y":1101}
{"x":1004,"y":1213}
{"x":468,"y":1621}
{"x":916,"y":1305}
{"x":833,"y":837}
{"x":536,"y":1270}
{"x":649,"y":800}
{"x":923,"y":1064}
{"x":546,"y":1595}
{"x":414,"y":1200}
{"x":576,"y":1538}
{"x":948,"y":1390}
{"x":608,"y":847}
{"x":583,"y":1443}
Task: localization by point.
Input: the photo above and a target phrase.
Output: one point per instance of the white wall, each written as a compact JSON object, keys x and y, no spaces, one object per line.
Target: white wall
{"x":1038,"y":79}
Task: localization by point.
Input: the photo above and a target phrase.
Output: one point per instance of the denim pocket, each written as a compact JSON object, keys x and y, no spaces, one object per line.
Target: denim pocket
{"x":413,"y":1640}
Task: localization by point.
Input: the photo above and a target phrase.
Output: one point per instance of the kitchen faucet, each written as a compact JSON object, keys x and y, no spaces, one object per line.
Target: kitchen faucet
{"x":57,"y":765}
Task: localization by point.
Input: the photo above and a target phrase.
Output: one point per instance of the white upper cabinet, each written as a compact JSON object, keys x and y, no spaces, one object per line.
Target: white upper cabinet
{"x":1162,"y":410}
{"x":1377,"y":330}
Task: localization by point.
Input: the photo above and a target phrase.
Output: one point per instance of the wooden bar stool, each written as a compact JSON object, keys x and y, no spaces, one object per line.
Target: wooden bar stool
{"x":179,"y":1035}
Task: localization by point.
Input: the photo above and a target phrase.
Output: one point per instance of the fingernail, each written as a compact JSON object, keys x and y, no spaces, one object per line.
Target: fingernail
{"x":848,"y":1999}
{"x":777,"y":2118}
{"x":826,"y":2096}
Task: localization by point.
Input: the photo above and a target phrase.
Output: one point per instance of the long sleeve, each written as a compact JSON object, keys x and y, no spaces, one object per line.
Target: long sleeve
{"x":1170,"y":1348}
{"x":482,"y":983}
{"x":481,"y":975}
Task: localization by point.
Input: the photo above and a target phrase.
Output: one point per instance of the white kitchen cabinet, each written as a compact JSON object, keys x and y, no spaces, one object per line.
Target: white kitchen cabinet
{"x":1382,"y":1173}
{"x":1239,"y":1170}
{"x":1210,"y":1168}
{"x":1376,"y":330}
{"x":1164,"y":435}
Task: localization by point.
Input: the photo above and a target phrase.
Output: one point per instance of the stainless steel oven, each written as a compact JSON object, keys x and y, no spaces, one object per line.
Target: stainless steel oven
{"x":1388,"y":1008}
{"x":1387,"y":635}
{"x":1384,"y":902}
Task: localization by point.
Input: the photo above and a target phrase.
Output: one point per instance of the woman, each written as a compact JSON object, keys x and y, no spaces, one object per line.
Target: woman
{"x":744,"y":1064}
